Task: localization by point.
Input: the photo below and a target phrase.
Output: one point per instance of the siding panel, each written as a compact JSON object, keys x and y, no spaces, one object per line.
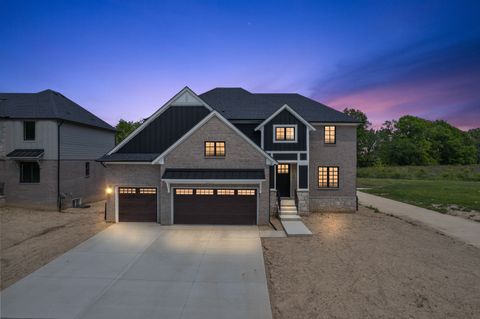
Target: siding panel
{"x":82,"y":142}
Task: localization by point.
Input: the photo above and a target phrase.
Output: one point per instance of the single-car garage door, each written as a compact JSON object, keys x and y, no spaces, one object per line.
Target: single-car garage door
{"x":137,"y":204}
{"x":215,"y":206}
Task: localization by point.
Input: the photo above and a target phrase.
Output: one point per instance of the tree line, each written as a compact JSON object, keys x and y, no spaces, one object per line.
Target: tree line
{"x":411,"y":140}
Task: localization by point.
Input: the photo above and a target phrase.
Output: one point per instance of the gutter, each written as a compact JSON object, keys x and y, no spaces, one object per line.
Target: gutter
{"x":59,"y":199}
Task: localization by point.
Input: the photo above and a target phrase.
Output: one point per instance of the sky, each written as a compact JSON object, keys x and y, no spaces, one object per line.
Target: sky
{"x":125,"y":59}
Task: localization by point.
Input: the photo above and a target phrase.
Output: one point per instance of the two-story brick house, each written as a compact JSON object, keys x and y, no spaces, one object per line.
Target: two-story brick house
{"x":226,"y":157}
{"x":48,"y":148}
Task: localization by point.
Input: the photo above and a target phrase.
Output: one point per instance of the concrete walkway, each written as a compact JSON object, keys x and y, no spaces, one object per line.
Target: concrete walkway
{"x":143,"y":270}
{"x":456,"y":227}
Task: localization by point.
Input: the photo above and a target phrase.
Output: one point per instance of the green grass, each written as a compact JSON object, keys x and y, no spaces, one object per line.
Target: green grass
{"x":438,"y":172}
{"x":432,"y":194}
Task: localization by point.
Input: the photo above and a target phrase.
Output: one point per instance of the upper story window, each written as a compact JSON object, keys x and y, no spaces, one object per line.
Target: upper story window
{"x":29,"y":130}
{"x":330,"y":134}
{"x":328,"y":177}
{"x":214,"y":149}
{"x":29,"y":172}
{"x":87,"y":169}
{"x":284,"y":133}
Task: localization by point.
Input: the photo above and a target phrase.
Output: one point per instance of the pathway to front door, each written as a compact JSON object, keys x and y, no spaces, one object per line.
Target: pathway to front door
{"x":144,"y":270}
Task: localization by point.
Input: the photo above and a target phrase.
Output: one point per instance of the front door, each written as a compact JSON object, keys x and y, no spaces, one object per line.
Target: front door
{"x":283,"y":180}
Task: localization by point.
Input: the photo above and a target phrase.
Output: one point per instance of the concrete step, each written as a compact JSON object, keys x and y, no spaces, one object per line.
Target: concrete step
{"x":290,"y":211}
{"x":293,"y":206}
{"x":287,"y":202}
{"x":289,"y":217}
{"x":295,"y":228}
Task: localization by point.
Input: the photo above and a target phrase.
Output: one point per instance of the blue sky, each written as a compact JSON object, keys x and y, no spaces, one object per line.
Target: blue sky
{"x":124,"y":59}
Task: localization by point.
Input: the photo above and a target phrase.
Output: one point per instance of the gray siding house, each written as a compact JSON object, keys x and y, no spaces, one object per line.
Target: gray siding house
{"x":48,"y":148}
{"x":229,"y":156}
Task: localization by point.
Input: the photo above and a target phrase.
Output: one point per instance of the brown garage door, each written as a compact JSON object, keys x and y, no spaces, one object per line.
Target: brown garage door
{"x":215,"y":206}
{"x":137,"y":204}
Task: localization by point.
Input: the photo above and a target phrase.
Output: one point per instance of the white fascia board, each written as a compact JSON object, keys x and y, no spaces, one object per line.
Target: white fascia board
{"x":157,"y":114}
{"x":288,"y":108}
{"x":161,"y":157}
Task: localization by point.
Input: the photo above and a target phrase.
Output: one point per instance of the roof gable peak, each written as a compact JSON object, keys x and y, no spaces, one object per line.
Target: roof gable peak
{"x":289,"y":109}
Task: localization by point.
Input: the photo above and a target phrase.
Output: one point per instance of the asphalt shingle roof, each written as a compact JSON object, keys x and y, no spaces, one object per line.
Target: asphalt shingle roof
{"x":47,"y":104}
{"x":239,"y":104}
{"x":206,"y":174}
{"x":129,"y":157}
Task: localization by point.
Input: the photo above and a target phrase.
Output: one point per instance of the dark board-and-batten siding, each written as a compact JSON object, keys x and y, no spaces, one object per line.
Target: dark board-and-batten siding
{"x":249,"y":130}
{"x":285,"y":117}
{"x":165,"y":130}
{"x":303,"y":176}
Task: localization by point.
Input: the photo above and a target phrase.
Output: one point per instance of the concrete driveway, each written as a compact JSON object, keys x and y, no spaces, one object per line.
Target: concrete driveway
{"x":134,"y":270}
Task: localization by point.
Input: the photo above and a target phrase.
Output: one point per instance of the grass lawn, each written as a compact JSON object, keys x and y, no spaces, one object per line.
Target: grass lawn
{"x":432,"y":194}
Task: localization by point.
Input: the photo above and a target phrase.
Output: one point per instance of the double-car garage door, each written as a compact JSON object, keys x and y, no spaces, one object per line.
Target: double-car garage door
{"x":215,"y":206}
{"x":226,"y":206}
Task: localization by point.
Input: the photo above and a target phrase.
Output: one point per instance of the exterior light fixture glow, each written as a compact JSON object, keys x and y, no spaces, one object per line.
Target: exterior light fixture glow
{"x":109,"y":190}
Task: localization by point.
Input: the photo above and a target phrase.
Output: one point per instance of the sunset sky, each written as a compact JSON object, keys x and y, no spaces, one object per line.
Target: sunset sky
{"x":124,"y":59}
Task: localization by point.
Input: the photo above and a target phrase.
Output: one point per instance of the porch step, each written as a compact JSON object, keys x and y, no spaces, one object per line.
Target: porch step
{"x":288,"y":210}
{"x":284,"y":217}
{"x":287,"y":202}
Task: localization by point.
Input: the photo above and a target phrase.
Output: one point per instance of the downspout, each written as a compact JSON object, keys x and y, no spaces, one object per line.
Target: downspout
{"x":59,"y":199}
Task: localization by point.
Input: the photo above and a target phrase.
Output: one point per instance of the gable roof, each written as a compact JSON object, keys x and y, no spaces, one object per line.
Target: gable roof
{"x":239,"y":104}
{"x":185,"y":97}
{"x":47,"y":104}
{"x":289,"y":109}
{"x":212,"y":114}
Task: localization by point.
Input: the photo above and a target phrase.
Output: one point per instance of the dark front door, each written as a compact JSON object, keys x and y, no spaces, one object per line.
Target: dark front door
{"x":137,"y":204}
{"x":215,"y":206}
{"x":283,"y":180}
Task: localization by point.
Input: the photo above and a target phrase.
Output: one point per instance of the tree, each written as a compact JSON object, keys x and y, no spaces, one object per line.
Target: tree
{"x":475,"y":136}
{"x":124,"y":128}
{"x":366,"y":138}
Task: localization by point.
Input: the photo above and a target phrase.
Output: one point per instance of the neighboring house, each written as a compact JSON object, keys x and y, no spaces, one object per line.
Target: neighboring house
{"x":48,"y":148}
{"x":223,"y":156}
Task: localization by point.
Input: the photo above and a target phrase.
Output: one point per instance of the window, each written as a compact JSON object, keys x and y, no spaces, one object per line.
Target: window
{"x":214,"y":149}
{"x":204,"y":192}
{"x":125,"y":190}
{"x":330,"y":137}
{"x":226,"y":192}
{"x":285,"y":133}
{"x":29,"y":172}
{"x":282,"y":168}
{"x":183,"y":191}
{"x":328,"y":177}
{"x":148,"y":190}
{"x":87,"y":169}
{"x":246,"y":192}
{"x":29,"y":130}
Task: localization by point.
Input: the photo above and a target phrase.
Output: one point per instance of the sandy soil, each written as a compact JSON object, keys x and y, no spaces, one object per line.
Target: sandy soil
{"x":369,"y":265}
{"x":30,"y":239}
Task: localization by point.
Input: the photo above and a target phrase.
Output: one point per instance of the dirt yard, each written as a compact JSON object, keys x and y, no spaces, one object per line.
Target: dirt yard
{"x":30,"y":239}
{"x":369,"y":265}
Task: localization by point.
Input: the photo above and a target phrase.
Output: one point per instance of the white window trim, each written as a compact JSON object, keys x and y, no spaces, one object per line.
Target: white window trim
{"x":295,"y":126}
